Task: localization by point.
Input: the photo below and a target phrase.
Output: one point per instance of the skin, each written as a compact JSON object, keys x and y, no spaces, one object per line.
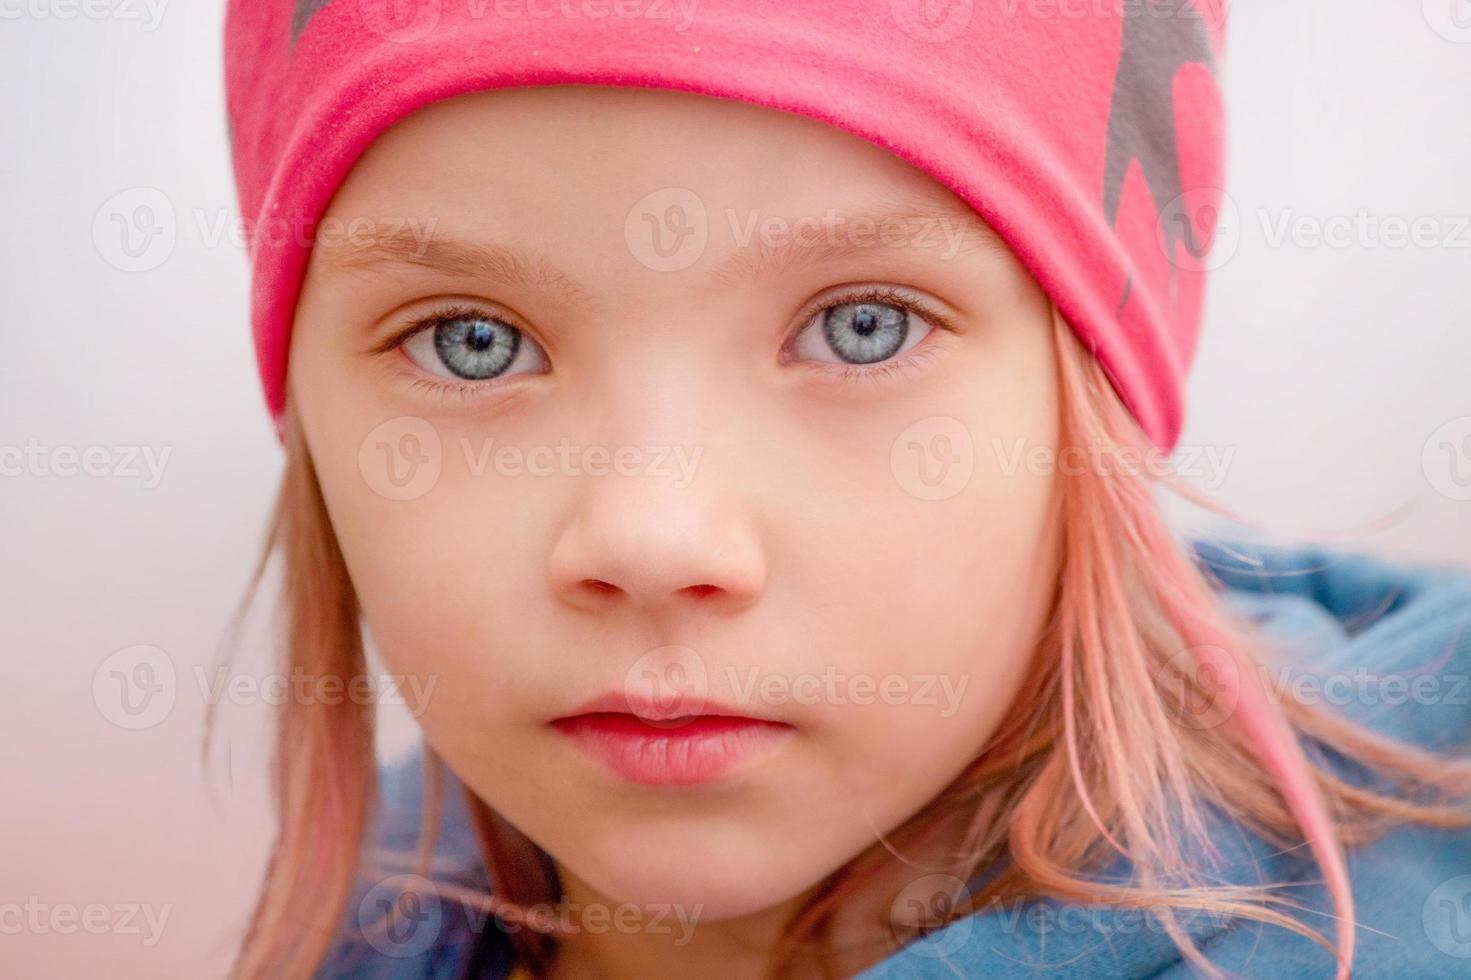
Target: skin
{"x":800,"y":547}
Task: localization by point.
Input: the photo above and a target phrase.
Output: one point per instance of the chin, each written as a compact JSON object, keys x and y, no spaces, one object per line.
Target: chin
{"x":710,"y":883}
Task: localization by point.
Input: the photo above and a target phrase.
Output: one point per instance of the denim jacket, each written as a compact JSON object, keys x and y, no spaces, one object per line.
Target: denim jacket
{"x":1388,"y":644}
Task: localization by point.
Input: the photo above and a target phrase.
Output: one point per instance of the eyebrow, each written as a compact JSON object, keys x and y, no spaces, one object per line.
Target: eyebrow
{"x":386,"y":243}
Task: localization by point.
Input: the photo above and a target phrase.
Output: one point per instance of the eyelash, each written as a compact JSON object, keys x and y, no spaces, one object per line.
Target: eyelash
{"x":845,"y":373}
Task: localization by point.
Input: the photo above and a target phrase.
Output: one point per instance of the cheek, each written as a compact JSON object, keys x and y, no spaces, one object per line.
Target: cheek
{"x":444,"y":576}
{"x":452,"y":582}
{"x":941,"y":607}
{"x":929,"y":595}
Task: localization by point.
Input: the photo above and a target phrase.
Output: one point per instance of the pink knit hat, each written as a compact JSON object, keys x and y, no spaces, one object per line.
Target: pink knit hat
{"x":1088,"y":133}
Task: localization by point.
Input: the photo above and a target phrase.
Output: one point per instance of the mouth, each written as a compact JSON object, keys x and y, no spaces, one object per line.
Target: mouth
{"x":653,"y":746}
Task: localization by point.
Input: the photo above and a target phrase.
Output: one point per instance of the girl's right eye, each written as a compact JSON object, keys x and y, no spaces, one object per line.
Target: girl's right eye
{"x":470,"y":345}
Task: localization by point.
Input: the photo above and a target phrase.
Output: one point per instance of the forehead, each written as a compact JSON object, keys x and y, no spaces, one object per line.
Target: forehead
{"x":576,"y":157}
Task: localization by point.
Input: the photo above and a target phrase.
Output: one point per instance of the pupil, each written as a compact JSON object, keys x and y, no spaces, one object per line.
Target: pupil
{"x":481,"y":336}
{"x":864,"y":321}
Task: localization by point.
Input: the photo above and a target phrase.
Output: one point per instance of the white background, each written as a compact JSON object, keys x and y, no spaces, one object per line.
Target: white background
{"x":1324,"y":369}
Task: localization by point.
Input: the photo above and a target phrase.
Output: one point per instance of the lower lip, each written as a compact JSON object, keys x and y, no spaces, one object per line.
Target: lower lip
{"x":681,"y":752}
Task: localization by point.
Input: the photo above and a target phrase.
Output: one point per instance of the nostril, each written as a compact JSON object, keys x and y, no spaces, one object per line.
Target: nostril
{"x":701,"y":591}
{"x":598,"y":585}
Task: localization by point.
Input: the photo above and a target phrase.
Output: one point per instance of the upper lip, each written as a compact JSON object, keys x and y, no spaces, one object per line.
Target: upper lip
{"x":650,"y":709}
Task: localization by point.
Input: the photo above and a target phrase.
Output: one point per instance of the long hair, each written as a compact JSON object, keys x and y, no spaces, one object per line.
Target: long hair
{"x":1102,"y":754}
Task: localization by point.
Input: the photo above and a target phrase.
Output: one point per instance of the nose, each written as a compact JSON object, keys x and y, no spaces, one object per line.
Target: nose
{"x":646,"y":542}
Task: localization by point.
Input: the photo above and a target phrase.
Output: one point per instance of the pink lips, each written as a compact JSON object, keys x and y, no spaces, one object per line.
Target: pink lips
{"x":647,"y":744}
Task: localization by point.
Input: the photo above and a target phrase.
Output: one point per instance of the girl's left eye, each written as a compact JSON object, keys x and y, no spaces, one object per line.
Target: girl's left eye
{"x":863,"y":330}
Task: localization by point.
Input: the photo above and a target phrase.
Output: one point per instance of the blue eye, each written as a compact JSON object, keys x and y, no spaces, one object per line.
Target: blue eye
{"x":861,"y":331}
{"x":473,"y":346}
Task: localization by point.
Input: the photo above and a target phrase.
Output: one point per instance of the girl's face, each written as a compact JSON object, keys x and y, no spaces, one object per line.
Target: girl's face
{"x":704,"y":407}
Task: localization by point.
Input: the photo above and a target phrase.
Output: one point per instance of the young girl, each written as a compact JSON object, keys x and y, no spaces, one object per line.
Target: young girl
{"x":740,"y":423}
